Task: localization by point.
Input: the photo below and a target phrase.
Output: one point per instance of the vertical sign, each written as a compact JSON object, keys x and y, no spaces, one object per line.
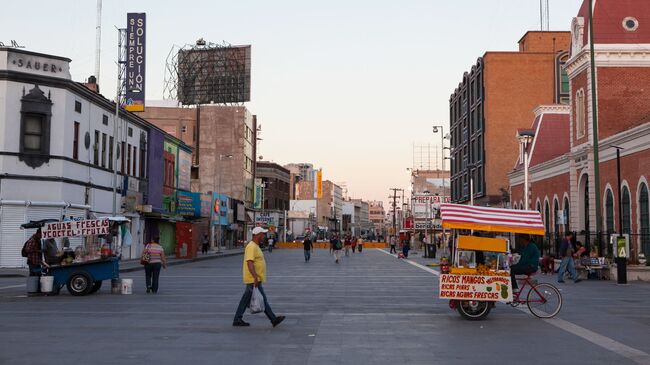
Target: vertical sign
{"x":319,"y":184}
{"x":135,"y":61}
{"x":257,"y":194}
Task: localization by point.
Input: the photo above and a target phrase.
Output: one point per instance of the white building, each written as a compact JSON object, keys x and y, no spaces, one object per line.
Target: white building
{"x":56,"y":150}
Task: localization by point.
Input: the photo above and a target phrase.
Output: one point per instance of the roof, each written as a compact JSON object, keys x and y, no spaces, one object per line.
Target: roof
{"x":491,"y":219}
{"x":551,"y":128}
{"x":609,"y":16}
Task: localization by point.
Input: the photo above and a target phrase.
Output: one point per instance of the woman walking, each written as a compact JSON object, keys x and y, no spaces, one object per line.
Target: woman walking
{"x":153,"y":258}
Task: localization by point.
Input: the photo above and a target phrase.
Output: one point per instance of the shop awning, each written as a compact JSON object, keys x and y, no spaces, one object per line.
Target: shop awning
{"x":491,"y":219}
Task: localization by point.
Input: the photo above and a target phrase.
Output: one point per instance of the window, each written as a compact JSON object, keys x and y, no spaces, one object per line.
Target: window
{"x":556,"y":209}
{"x":104,"y":149}
{"x":184,"y":129}
{"x":644,"y":217}
{"x":130,"y":132}
{"x":143,"y":155}
{"x":609,"y":211}
{"x":75,"y":142}
{"x":625,"y":206}
{"x":32,"y":137}
{"x":77,"y":106}
{"x":580,"y":113}
{"x":105,"y":119}
{"x":567,"y":215}
{"x":96,"y":149}
{"x":562,"y":86}
{"x":547,"y":217}
{"x":123,"y":158}
{"x":630,"y":24}
{"x":128,"y":160}
{"x":111,"y":141}
{"x":135,"y":160}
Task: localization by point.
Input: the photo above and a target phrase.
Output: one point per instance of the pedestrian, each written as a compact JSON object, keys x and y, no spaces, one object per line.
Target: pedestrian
{"x":566,"y":253}
{"x":529,"y":261}
{"x":336,"y":246}
{"x":406,"y":247}
{"x":271,"y":243}
{"x":33,"y":252}
{"x":254,"y":275}
{"x":348,"y":244}
{"x":205,"y":244}
{"x":308,"y":245}
{"x":354,"y":244}
{"x":360,"y":244}
{"x":393,"y":244}
{"x":153,"y":258}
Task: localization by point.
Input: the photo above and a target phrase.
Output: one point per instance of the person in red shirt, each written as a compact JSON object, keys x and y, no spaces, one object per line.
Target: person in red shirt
{"x":33,"y":251}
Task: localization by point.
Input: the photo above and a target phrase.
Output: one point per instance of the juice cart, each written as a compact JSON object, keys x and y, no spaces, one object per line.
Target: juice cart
{"x":82,"y":269}
{"x":479,"y":275}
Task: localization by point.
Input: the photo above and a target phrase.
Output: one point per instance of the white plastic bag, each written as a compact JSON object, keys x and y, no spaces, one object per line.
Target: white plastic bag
{"x":256,"y":304}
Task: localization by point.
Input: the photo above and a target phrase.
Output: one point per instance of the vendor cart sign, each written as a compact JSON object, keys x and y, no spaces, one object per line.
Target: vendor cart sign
{"x":475,"y":287}
{"x":88,"y":227}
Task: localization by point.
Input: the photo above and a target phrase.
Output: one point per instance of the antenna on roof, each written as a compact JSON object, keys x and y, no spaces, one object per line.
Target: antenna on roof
{"x":544,"y":15}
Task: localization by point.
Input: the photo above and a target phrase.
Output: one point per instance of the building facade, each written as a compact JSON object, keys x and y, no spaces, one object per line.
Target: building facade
{"x":564,"y":188}
{"x":58,"y":153}
{"x":494,"y":99}
{"x":224,"y":142}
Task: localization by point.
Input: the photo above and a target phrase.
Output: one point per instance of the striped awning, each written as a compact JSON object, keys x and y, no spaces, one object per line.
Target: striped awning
{"x":491,"y":219}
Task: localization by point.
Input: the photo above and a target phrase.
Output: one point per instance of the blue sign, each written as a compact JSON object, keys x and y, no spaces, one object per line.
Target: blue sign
{"x":189,"y":204}
{"x":220,"y":209}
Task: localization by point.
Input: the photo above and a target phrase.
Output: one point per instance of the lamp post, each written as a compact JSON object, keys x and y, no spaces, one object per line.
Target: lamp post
{"x":212,"y":211}
{"x":525,"y":138}
{"x":437,"y":128}
{"x":621,"y":262}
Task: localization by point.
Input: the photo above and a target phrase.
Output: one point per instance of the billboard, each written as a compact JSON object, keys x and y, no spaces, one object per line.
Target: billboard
{"x":135,"y":61}
{"x":184,"y":170}
{"x":319,"y":184}
{"x":257,"y":194}
{"x":214,"y":75}
{"x":189,"y":204}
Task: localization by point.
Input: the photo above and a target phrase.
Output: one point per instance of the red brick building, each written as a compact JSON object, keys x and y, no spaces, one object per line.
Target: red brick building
{"x":566,"y":182}
{"x":494,"y":99}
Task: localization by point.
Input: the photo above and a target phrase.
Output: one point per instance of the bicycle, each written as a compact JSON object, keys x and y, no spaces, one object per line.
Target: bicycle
{"x":543,"y":300}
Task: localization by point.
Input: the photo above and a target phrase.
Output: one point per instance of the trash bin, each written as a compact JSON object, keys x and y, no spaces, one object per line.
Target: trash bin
{"x":431,"y":251}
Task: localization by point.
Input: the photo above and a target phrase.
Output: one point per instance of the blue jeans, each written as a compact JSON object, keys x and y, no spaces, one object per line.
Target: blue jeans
{"x":307,"y":255}
{"x":567,"y":264}
{"x":246,"y":299}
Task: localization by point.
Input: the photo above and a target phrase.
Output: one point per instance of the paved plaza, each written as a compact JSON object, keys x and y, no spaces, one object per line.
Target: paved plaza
{"x":370,"y":309}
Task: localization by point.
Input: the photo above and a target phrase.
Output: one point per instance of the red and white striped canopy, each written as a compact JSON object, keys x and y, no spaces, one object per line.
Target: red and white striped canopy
{"x":491,"y":219}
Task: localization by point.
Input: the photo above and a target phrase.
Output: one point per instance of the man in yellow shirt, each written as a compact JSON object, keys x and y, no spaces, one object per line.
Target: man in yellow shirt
{"x":254,"y":273}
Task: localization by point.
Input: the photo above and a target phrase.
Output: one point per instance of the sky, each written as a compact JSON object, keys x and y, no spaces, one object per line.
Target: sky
{"x":348,"y":85}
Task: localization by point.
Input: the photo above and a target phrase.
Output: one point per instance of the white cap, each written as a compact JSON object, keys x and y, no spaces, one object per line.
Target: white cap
{"x":258,"y":230}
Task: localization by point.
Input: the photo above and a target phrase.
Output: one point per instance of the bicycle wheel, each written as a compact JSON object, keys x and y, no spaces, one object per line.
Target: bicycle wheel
{"x":473,"y":310}
{"x":544,"y":300}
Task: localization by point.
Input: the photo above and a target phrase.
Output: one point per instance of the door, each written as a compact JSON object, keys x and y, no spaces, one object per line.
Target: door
{"x":184,"y":246}
{"x":12,"y":237}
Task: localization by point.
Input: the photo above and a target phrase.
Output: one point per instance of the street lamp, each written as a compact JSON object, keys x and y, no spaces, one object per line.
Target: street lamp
{"x":212,"y":211}
{"x":436,"y":129}
{"x":621,"y":262}
{"x":525,"y":138}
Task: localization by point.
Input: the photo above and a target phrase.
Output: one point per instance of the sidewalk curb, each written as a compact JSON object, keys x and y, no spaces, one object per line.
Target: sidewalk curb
{"x":184,"y":261}
{"x":131,"y":265}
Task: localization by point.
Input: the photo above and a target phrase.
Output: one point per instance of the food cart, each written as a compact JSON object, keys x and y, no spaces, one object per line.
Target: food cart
{"x":95,"y":258}
{"x":479,"y":275}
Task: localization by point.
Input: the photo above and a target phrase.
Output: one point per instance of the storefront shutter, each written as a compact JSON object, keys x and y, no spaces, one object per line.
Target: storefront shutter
{"x":12,"y":237}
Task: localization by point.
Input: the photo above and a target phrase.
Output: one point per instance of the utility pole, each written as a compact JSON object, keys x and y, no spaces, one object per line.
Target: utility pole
{"x":594,"y":113}
{"x":395,"y":190}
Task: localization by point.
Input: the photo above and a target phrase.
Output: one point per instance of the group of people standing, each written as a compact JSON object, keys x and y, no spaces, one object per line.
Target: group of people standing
{"x":349,"y":243}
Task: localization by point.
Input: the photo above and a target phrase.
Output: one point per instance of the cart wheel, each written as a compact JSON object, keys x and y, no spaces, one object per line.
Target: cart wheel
{"x":79,"y":284}
{"x":96,"y":286}
{"x":473,"y":310}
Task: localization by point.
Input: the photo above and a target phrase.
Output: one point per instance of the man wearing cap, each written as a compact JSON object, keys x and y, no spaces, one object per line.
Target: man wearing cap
{"x":254,"y":272}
